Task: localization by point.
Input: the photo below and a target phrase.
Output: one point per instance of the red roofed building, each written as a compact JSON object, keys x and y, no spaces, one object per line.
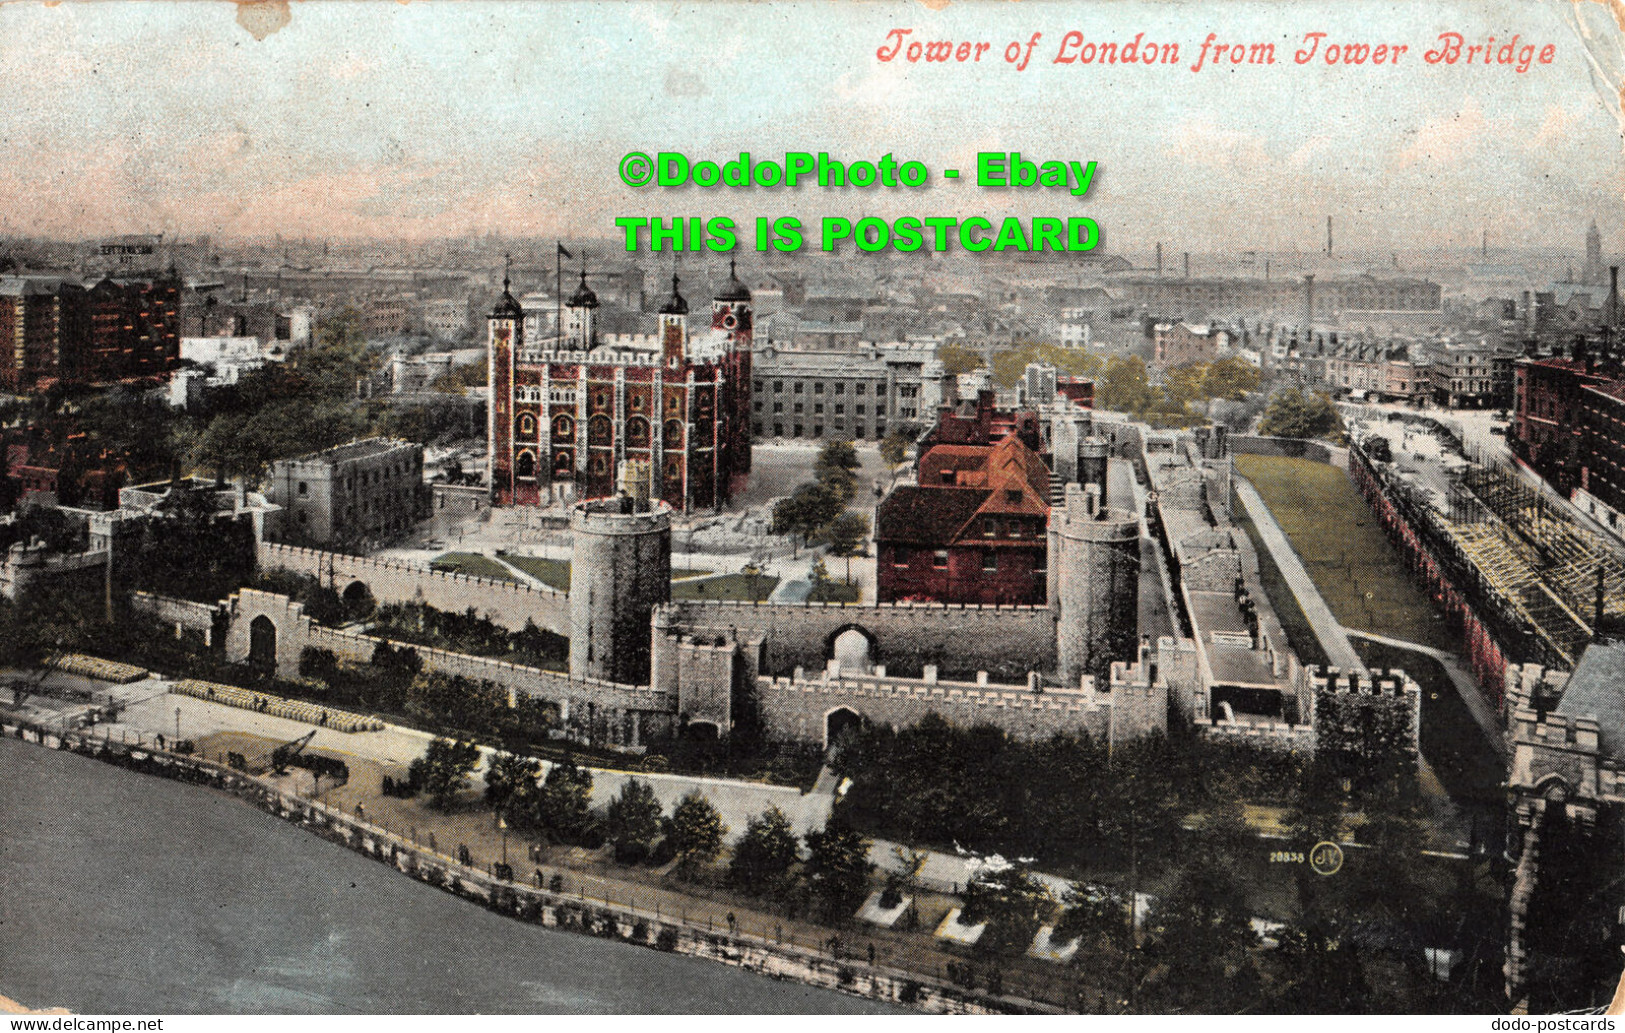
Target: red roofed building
{"x":972,"y":530}
{"x":983,"y":423}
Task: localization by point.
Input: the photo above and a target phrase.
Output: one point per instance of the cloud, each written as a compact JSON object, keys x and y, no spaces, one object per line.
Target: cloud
{"x":1205,"y":143}
{"x":1449,"y":140}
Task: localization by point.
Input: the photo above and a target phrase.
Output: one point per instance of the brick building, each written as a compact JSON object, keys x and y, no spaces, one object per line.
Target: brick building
{"x":656,"y":416}
{"x":1546,"y":415}
{"x":972,"y":530}
{"x":56,"y":330}
{"x":1175,"y":344}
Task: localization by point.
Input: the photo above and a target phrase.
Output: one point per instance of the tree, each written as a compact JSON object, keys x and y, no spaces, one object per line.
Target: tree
{"x":837,"y":869}
{"x":696,"y":834}
{"x":764,"y":854}
{"x":563,"y":805}
{"x":1231,"y":379}
{"x":846,"y":534}
{"x":1203,"y":932}
{"x":1097,"y":913}
{"x":443,"y":770}
{"x":632,"y":822}
{"x":894,"y":448}
{"x":1293,"y":414}
{"x":1010,"y":900}
{"x":812,"y":506}
{"x":510,"y":781}
{"x":1182,"y":385}
{"x":1124,"y":385}
{"x":957,"y":359}
{"x":836,"y":468}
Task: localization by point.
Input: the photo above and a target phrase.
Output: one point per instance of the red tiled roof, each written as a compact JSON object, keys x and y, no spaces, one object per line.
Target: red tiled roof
{"x":915,"y":515}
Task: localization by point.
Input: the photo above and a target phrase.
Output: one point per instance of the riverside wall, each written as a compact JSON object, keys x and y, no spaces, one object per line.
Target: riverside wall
{"x":537,"y":905}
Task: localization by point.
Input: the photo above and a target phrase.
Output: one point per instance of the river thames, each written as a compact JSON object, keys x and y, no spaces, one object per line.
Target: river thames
{"x":121,"y":892}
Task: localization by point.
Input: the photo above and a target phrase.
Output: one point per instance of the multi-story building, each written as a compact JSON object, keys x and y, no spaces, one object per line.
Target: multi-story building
{"x":1471,"y":376}
{"x":1546,"y":415}
{"x":1601,"y":491}
{"x":1308,"y":299}
{"x":55,"y":330}
{"x":445,"y":318}
{"x":230,"y":357}
{"x":972,"y":530}
{"x":363,"y":492}
{"x":1175,"y":344}
{"x":655,"y":416}
{"x":858,"y":394}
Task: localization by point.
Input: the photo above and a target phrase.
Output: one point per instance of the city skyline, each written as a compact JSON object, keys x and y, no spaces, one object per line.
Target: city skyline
{"x":487,"y":118}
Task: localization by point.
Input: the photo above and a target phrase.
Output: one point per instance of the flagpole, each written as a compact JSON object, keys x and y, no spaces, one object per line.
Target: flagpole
{"x":558,"y":288}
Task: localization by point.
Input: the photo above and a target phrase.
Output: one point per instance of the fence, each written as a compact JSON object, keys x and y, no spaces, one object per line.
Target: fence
{"x":580,"y":902}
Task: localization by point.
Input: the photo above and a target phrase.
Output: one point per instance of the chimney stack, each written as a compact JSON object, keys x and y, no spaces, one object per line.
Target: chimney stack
{"x":1328,"y":236}
{"x":1187,"y":265}
{"x":1309,"y":299}
{"x":1611,"y":313}
{"x":1159,"y":258}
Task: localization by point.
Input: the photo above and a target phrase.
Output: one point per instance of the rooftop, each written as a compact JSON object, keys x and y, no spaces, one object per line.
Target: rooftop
{"x":352,"y":450}
{"x":1596,"y":689}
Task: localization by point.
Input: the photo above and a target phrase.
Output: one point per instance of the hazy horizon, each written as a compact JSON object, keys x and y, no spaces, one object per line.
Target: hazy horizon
{"x":362,"y":121}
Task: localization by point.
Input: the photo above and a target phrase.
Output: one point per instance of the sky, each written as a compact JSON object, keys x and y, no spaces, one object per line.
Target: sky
{"x":429,"y":119}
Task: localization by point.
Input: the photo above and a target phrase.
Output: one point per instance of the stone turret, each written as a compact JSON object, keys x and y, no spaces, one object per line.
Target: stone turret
{"x":1096,"y":569}
{"x":620,"y":570}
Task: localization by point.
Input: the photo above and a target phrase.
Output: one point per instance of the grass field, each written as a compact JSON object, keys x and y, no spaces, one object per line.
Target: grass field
{"x":729,"y":586}
{"x":554,"y":573}
{"x":472,"y":564}
{"x":1344,"y":549}
{"x":834,"y":592}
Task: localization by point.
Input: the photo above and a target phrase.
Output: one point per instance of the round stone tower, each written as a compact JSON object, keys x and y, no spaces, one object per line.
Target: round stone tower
{"x":1097,"y":575}
{"x":620,"y":570}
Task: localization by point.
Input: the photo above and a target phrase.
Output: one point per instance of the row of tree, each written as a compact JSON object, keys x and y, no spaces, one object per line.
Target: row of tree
{"x":817,"y":509}
{"x":766,"y":861}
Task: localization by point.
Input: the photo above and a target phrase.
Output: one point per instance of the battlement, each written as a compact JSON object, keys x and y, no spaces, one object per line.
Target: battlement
{"x":1368,"y":683}
{"x":619,"y":516}
{"x":602,"y":356}
{"x":1275,"y":735}
{"x":690,"y":606}
{"x":533,"y":681}
{"x":932,"y":692}
{"x":1558,"y":731}
{"x":322,"y":563}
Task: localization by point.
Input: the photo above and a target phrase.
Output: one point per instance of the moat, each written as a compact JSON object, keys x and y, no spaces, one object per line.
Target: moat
{"x":124,"y":893}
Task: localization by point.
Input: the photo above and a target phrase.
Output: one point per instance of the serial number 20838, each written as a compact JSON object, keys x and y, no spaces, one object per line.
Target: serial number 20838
{"x":1286,"y":857}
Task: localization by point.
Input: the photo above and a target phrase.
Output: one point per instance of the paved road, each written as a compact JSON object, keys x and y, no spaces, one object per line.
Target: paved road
{"x":1339,"y":651}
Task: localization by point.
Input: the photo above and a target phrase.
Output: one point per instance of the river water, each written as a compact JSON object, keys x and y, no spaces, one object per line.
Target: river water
{"x":120,"y":892}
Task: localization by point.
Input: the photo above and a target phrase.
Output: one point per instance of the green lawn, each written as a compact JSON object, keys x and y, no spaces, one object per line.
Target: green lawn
{"x":834,"y":592}
{"x":554,"y":573}
{"x":472,"y":564}
{"x":1344,"y":549}
{"x":729,"y":586}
